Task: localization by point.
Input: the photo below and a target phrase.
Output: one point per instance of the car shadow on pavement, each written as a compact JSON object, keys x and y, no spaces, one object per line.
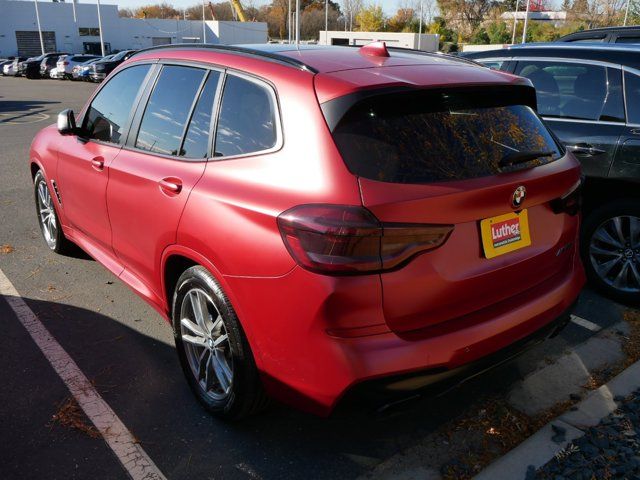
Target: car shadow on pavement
{"x":22,"y":105}
{"x":139,"y":376}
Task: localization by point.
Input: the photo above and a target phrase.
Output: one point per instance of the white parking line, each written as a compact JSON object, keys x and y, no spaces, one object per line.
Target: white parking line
{"x":585,"y":323}
{"x":124,"y":445}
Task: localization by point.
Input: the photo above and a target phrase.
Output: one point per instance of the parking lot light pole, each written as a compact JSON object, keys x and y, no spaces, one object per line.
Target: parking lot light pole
{"x":626,"y":13}
{"x":515,"y":23}
{"x":526,"y":21}
{"x":39,"y":29}
{"x":420,"y":28}
{"x":204,"y":25}
{"x":289,"y":23}
{"x":297,"y":22}
{"x":100,"y":30}
{"x":326,"y":15}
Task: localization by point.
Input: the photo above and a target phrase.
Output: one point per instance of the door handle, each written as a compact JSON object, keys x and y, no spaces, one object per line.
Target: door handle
{"x":170,"y":185}
{"x":97,"y":163}
{"x":585,"y":150}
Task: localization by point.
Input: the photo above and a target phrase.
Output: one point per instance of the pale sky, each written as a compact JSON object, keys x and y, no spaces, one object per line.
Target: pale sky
{"x":389,"y":6}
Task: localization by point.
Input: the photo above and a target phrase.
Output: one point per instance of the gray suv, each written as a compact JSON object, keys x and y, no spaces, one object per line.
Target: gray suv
{"x":589,"y":95}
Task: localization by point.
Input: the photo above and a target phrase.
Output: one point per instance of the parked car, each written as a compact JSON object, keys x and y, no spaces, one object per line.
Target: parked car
{"x":351,"y":214}
{"x":82,"y":71}
{"x":30,"y":68}
{"x":66,"y":64}
{"x":605,"y":35}
{"x":48,"y":63}
{"x":12,"y":68}
{"x":3,"y":62}
{"x":590,"y":97}
{"x":100,"y":69}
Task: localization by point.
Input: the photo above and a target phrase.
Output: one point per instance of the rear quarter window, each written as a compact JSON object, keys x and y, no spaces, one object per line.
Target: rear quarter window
{"x":440,"y":136}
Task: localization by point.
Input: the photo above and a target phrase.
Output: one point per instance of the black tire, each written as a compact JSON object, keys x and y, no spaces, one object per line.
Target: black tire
{"x":602,"y":217}
{"x":245,"y":394}
{"x":56,"y":241}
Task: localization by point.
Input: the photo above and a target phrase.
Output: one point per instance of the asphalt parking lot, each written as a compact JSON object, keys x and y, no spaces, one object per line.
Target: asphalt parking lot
{"x":126,"y":350}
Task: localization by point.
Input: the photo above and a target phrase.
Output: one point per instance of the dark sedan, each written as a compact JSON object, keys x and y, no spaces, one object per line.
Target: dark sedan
{"x":99,"y":70}
{"x":30,"y":68}
{"x":589,"y":94}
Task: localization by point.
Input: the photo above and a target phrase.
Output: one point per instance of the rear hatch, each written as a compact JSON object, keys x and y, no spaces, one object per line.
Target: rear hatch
{"x":477,"y":159}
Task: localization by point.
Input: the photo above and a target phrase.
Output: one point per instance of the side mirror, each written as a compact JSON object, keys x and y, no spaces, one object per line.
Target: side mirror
{"x":67,"y":122}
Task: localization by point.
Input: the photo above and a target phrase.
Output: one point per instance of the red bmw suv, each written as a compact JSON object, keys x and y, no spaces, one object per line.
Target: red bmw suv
{"x":313,"y":218}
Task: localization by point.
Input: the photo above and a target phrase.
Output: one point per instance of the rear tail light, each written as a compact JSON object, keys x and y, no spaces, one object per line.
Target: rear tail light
{"x":343,"y":239}
{"x":571,"y":202}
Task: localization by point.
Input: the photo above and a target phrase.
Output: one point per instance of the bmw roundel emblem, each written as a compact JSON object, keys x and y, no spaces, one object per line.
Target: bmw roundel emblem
{"x":518,"y":196}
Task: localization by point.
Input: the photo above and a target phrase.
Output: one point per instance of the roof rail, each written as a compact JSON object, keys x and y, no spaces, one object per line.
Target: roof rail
{"x":274,"y":57}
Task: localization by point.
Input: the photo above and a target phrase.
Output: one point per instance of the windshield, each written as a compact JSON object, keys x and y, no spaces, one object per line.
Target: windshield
{"x":439,"y":136}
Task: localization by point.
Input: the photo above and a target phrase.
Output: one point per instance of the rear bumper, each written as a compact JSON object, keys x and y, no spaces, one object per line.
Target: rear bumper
{"x":294,"y":324}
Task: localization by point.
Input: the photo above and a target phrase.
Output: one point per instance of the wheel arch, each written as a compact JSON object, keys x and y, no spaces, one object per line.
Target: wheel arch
{"x":175,"y":260}
{"x":598,"y":191}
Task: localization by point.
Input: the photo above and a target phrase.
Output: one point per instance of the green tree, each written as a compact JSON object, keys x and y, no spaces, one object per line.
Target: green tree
{"x":402,"y":21}
{"x":370,"y":19}
{"x":498,"y":32}
{"x":480,"y":37}
{"x":439,"y":26}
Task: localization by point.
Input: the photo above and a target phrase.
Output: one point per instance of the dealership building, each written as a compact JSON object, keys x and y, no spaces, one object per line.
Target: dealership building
{"x":427,"y":42}
{"x":75,"y":28}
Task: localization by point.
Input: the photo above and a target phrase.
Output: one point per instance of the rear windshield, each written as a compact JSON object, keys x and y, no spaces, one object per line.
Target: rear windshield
{"x":439,"y":136}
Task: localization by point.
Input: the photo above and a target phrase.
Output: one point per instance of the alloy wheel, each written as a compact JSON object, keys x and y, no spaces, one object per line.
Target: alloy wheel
{"x":47,"y":215}
{"x":206,"y":342}
{"x":614,"y":251}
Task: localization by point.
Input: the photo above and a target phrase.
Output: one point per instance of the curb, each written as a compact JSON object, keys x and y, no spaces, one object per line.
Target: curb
{"x":538,"y":449}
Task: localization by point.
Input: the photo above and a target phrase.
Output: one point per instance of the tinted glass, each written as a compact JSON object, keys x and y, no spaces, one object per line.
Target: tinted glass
{"x":109,"y":112}
{"x":632,"y":86}
{"x":168,"y":109}
{"x":628,"y":40}
{"x":494,"y":64}
{"x":573,"y":90}
{"x":196,"y":141}
{"x":439,"y":136}
{"x":247,"y":121}
{"x":588,"y":40}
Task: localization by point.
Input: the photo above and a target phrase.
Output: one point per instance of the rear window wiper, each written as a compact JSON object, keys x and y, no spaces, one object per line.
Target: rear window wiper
{"x":522,"y":157}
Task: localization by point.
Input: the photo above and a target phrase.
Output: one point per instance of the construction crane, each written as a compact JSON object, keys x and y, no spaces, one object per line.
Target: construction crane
{"x":237,"y":6}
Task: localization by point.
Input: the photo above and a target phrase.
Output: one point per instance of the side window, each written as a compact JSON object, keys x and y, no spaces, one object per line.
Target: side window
{"x":247,"y":121}
{"x":572,"y":90}
{"x":109,"y":111}
{"x":494,"y":64}
{"x":196,"y":141}
{"x":167,"y":112}
{"x":632,"y":92}
{"x":628,"y":40}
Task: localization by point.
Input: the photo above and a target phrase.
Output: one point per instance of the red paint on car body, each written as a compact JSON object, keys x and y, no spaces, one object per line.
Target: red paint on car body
{"x":314,"y":335}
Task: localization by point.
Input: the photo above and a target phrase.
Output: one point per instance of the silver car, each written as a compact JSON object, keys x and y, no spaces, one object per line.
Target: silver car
{"x":66,"y":64}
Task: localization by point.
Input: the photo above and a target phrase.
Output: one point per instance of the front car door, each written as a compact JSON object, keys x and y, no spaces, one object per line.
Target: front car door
{"x":582,"y":102}
{"x":84,"y":160}
{"x":164,"y":157}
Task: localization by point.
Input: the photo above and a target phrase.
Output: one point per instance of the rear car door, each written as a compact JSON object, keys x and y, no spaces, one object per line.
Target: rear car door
{"x":627,"y":160}
{"x":165,"y":155}
{"x":84,"y":160}
{"x":582,"y":102}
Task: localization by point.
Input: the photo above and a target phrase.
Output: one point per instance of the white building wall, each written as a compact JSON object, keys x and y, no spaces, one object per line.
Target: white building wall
{"x":120,"y":33}
{"x":428,"y":43}
{"x":233,"y":33}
